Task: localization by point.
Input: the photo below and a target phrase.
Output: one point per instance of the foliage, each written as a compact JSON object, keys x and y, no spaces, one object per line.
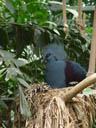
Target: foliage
{"x":10,"y":80}
{"x":15,"y":73}
{"x":27,"y":11}
{"x":26,"y":27}
{"x":38,"y":37}
{"x":94,"y":125}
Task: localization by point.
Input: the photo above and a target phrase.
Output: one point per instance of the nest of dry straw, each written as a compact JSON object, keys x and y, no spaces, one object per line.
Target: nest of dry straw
{"x":50,"y":109}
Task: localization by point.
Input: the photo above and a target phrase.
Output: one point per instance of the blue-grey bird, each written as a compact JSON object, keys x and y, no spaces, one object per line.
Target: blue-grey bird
{"x":59,"y":72}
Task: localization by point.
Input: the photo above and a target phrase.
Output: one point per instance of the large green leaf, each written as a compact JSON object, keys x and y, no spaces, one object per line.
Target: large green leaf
{"x":24,"y":83}
{"x":24,"y":105}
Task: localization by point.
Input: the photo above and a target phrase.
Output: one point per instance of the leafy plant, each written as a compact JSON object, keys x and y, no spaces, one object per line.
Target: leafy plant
{"x":11,"y":79}
{"x":26,"y":27}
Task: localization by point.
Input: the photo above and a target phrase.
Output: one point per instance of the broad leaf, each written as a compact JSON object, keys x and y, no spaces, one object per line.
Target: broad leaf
{"x":24,"y":83}
{"x":2,"y":70}
{"x":73,"y":11}
{"x":19,"y":63}
{"x":12,"y":72}
{"x":24,"y":105}
{"x":7,"y":55}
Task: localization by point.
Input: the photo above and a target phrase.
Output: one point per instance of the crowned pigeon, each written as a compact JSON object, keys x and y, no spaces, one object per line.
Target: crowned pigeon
{"x":59,"y":72}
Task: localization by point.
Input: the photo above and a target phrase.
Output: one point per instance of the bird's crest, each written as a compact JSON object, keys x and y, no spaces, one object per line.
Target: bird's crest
{"x":57,"y":49}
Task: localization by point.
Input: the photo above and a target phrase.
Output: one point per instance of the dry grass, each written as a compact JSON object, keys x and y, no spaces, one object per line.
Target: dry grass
{"x":50,"y":111}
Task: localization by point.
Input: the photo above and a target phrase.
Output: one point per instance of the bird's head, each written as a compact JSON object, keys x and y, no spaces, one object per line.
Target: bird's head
{"x":48,"y":55}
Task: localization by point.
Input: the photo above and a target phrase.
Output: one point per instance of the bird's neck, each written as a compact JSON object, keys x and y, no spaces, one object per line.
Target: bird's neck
{"x":52,"y":60}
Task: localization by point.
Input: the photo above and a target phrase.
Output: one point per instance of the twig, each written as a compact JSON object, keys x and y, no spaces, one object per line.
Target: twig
{"x":79,"y":87}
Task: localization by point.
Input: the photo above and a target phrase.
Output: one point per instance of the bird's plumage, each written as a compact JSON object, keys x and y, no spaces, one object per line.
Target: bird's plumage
{"x":54,"y":75}
{"x":74,"y":72}
{"x":59,"y":72}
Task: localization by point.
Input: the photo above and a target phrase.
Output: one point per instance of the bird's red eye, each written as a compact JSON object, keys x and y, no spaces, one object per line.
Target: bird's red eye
{"x":47,"y":55}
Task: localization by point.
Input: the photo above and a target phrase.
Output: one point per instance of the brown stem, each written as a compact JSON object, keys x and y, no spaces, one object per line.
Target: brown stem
{"x":64,"y":17}
{"x":84,"y":19}
{"x":80,"y":12}
{"x":64,"y":12}
{"x":83,"y":23}
{"x":92,"y":60}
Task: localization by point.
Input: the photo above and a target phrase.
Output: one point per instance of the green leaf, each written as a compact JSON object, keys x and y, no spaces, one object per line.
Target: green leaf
{"x":24,"y":105}
{"x":73,"y":11}
{"x":12,"y":72}
{"x":7,"y":55}
{"x":24,"y":83}
{"x":10,"y":84}
{"x":1,"y":75}
{"x":89,"y":91}
{"x":10,"y":6}
{"x":10,"y":92}
{"x":3,"y":104}
{"x":50,"y":23}
{"x":2,"y":70}
{"x":19,"y":63}
{"x":1,"y":61}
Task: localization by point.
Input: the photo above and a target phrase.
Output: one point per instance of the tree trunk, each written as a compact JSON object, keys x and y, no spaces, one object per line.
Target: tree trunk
{"x":92,"y":60}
